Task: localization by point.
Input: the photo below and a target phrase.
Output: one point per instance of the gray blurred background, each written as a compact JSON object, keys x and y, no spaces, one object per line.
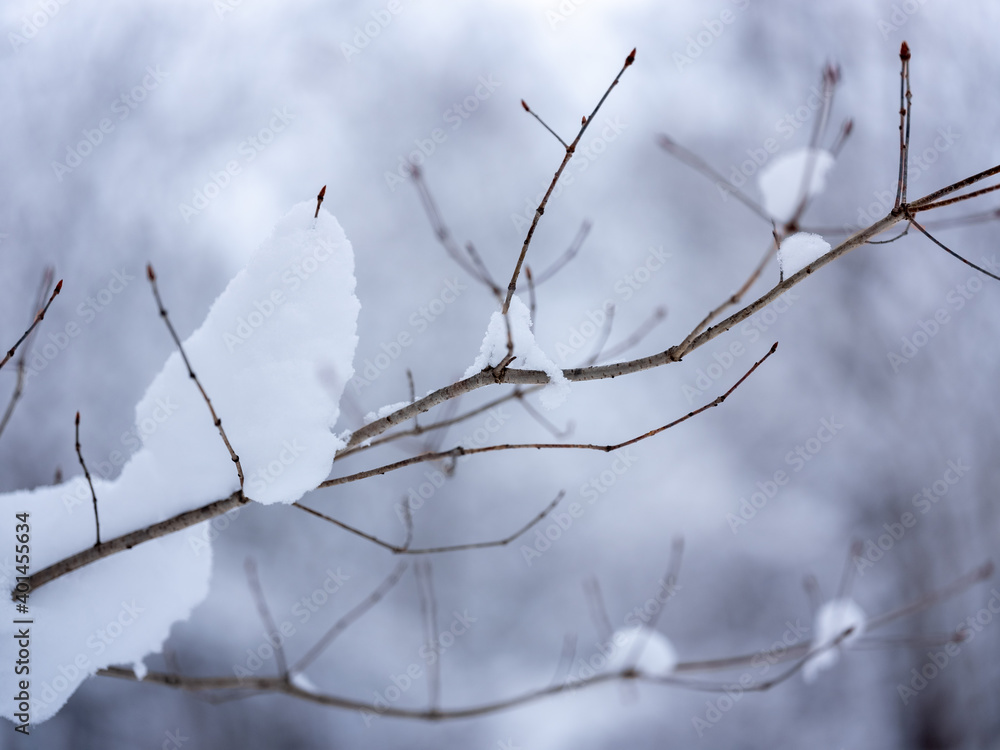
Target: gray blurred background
{"x":185,"y":84}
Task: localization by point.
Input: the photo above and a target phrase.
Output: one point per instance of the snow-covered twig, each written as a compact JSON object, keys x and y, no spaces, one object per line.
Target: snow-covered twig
{"x":461,"y":451}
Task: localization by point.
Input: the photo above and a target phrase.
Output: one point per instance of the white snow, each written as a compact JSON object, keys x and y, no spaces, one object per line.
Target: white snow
{"x":273,"y":353}
{"x":798,"y":251}
{"x":529,"y":356}
{"x":643,"y":648}
{"x":781,"y":180}
{"x":832,"y":620}
{"x":384,"y":411}
{"x":303,"y":683}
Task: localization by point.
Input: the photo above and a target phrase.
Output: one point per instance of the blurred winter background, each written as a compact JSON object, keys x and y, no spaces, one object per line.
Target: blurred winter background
{"x":288,"y":97}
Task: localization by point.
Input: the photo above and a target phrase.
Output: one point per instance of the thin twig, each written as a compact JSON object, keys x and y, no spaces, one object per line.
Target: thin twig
{"x":571,"y":252}
{"x":636,"y":337}
{"x":544,"y":421}
{"x":441,"y":230}
{"x":532,"y":299}
{"x":544,"y":124}
{"x":845,"y":131}
{"x":428,"y":608}
{"x":180,"y":347}
{"x":951,"y":252}
{"x":801,"y":651}
{"x":904,"y":64}
{"x":570,"y":150}
{"x":404,"y":549}
{"x":597,"y":608}
{"x":38,"y":319}
{"x":957,"y":199}
{"x":685,"y":156}
{"x":849,"y":569}
{"x":22,"y":360}
{"x":604,"y":334}
{"x":669,"y":580}
{"x":413,"y":397}
{"x":733,"y":299}
{"x":830,"y":78}
{"x":86,"y":473}
{"x":349,"y":619}
{"x":253,"y":581}
{"x":461,"y":451}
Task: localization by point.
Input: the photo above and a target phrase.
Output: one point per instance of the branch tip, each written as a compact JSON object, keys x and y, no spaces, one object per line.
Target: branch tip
{"x":525,"y":105}
{"x":631,"y":57}
{"x":904,"y":51}
{"x":149,"y":272}
{"x":319,"y":200}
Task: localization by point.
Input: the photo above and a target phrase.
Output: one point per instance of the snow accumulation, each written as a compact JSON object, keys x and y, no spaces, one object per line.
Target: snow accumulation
{"x":274,"y":354}
{"x":832,"y":619}
{"x":529,"y":356}
{"x":781,"y":180}
{"x":798,"y":251}
{"x":643,"y":648}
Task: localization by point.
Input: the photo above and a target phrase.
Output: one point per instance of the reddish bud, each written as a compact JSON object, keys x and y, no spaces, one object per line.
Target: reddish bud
{"x":525,"y":105}
{"x":58,"y":288}
{"x":319,"y":200}
{"x":904,"y":51}
{"x":78,"y":419}
{"x":631,"y":58}
{"x":149,"y":272}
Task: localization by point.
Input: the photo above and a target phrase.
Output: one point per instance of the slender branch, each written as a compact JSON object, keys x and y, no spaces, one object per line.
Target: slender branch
{"x":904,"y":129}
{"x":348,"y":619}
{"x":133,"y":538}
{"x":566,"y":257}
{"x":428,"y":608}
{"x":830,"y":78}
{"x":38,"y":319}
{"x":461,"y":451}
{"x":86,"y":473}
{"x":801,"y":651}
{"x":22,"y":360}
{"x":180,"y":347}
{"x":951,"y":252}
{"x":441,"y":230}
{"x":544,"y":124}
{"x":570,"y":150}
{"x":919,"y":204}
{"x":253,"y":580}
{"x":603,"y":335}
{"x":405,"y":549}
{"x":544,"y":421}
{"x":732,"y":300}
{"x":698,"y":164}
{"x":958,"y":199}
{"x":490,"y":376}
{"x":636,"y":337}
